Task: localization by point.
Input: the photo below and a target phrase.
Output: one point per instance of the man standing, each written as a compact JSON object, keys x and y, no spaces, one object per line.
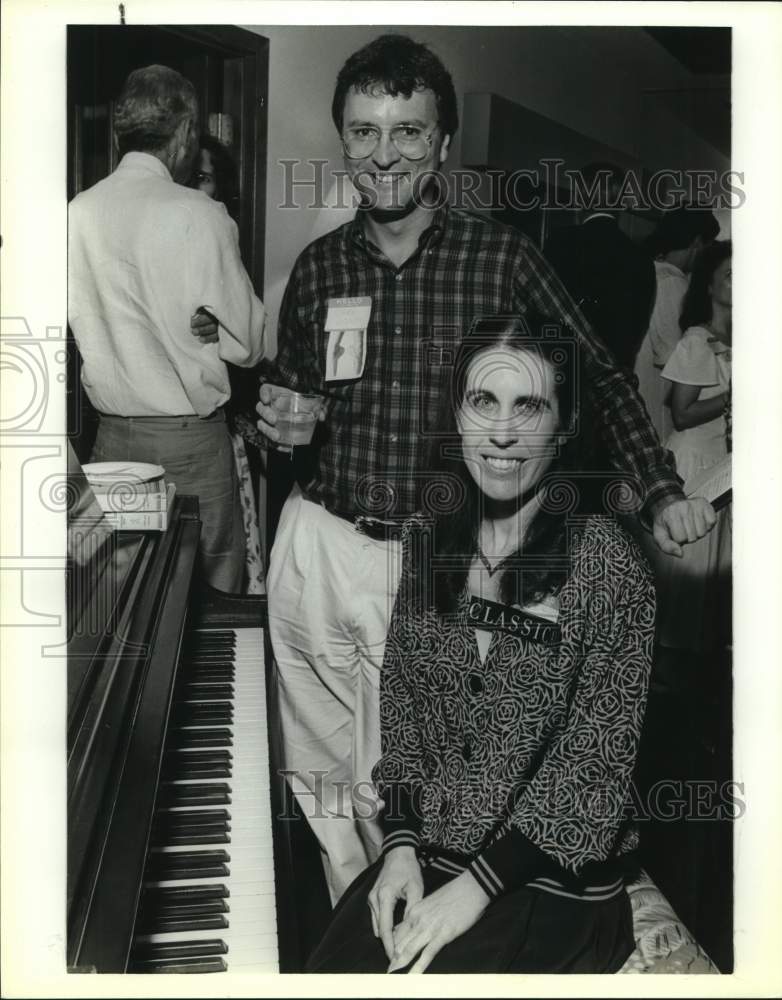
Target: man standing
{"x":609,"y":278}
{"x":415,"y":274}
{"x":144,"y":253}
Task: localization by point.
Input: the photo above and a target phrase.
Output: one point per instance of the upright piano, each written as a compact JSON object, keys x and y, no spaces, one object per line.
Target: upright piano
{"x":177,"y":859}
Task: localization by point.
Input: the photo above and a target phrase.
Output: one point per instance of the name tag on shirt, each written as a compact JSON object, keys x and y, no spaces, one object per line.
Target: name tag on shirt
{"x":347,"y":321}
{"x":516,"y":621}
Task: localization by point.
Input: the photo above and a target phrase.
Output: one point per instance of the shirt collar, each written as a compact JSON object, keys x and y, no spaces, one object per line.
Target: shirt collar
{"x":145,"y":162}
{"x":430,"y":237}
{"x":667,"y":266}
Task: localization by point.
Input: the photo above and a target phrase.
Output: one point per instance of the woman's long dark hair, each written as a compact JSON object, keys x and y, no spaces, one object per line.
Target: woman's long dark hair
{"x":450,"y":496}
{"x":225,"y":174}
{"x":696,"y":308}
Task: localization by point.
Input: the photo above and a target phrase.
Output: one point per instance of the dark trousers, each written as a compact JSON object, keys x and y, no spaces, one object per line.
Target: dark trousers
{"x":526,"y":930}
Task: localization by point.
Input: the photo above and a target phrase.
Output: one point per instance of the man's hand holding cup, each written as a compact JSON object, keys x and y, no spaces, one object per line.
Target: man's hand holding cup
{"x":287,"y":418}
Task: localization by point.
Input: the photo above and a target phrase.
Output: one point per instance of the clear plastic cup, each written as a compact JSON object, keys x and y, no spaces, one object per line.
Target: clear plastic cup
{"x":297,"y":414}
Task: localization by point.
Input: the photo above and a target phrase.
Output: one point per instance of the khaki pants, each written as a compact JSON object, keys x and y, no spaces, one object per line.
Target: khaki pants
{"x":331,"y":591}
{"x":197,"y":455}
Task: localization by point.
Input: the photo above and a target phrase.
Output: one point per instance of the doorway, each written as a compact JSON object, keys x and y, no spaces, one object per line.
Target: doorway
{"x":228,"y":67}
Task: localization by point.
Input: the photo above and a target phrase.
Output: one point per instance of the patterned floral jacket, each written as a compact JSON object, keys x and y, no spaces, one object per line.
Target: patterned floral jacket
{"x":520,"y":765}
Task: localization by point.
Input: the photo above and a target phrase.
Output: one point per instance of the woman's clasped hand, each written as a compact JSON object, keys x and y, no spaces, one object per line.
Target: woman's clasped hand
{"x":429,"y":923}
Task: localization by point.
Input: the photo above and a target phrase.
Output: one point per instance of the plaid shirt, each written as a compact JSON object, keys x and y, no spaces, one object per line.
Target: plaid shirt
{"x":372,"y":447}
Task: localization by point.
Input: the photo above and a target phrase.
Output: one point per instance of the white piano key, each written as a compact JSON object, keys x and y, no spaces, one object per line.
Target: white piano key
{"x":251,"y":933}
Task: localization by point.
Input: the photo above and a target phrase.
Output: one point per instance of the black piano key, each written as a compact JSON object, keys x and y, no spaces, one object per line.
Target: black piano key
{"x":211,"y":755}
{"x":203,"y":713}
{"x":173,"y":874}
{"x":184,"y":923}
{"x":192,"y":717}
{"x":207,"y":677}
{"x":192,"y":698}
{"x":193,"y":837}
{"x":175,"y":920}
{"x":216,"y":658}
{"x":214,"y":661}
{"x":178,"y":965}
{"x":195,"y":855}
{"x":209,"y":814}
{"x":182,"y":738}
{"x":210,"y":642}
{"x":163,"y":835}
{"x":219,"y":714}
{"x":178,"y":756}
{"x":220,"y":668}
{"x":146,"y":951}
{"x":171,"y":796}
{"x":207,"y":674}
{"x":150,"y":913}
{"x":181,"y":823}
{"x":171,"y":895}
{"x":190,"y":772}
{"x":218,"y":662}
{"x":196,"y":682}
{"x":193,"y":817}
{"x":196,"y":648}
{"x":215,"y":870}
{"x":207,"y":691}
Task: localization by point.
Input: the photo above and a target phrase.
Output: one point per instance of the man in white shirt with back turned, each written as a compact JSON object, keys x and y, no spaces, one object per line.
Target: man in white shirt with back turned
{"x":144,"y":253}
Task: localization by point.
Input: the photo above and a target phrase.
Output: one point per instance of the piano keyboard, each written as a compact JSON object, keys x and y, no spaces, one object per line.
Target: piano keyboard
{"x":207,"y":901}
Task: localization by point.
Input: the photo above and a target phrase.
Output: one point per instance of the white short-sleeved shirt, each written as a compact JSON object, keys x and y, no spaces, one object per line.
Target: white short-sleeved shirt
{"x":699,"y":359}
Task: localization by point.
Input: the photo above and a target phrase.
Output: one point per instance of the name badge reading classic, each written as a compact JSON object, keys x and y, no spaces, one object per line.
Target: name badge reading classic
{"x":515,"y":621}
{"x":347,"y":321}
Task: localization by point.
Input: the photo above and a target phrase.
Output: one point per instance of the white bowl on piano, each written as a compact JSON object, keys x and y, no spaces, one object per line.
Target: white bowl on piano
{"x":111,"y":473}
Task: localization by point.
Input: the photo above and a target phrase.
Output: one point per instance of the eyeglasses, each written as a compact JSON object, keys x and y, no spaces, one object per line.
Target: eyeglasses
{"x":410,"y":140}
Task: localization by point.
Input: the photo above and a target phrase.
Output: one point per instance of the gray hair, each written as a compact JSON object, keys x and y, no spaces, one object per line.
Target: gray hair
{"x":153,"y":103}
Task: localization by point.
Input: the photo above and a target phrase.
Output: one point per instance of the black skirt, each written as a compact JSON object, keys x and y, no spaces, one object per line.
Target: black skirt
{"x":527,"y":930}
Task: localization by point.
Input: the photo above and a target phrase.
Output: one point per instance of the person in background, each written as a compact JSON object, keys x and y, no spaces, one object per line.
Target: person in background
{"x":216,"y":175}
{"x":694,"y":594}
{"x":674,"y":245}
{"x":511,"y":697}
{"x":608,"y":276}
{"x":144,"y":254}
{"x":419,"y":273}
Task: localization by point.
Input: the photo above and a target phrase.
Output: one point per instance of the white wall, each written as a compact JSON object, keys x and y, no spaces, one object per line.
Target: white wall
{"x":591,"y":79}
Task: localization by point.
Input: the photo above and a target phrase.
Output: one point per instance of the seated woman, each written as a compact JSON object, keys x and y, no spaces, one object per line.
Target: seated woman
{"x":512,"y":694}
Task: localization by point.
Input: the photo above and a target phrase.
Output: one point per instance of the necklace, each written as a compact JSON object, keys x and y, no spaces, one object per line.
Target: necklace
{"x":486,"y":564}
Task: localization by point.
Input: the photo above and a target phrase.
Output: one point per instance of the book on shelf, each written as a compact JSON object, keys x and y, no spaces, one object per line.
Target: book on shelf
{"x":715,"y":484}
{"x":142,"y":520}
